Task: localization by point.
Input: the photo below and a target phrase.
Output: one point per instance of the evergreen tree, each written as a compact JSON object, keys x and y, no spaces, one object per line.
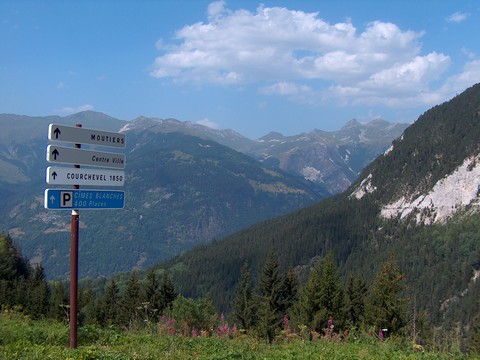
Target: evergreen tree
{"x":59,"y":302}
{"x":321,"y":298}
{"x":110,"y":304}
{"x":386,"y":307}
{"x":269,"y":298}
{"x":151,"y":296}
{"x":243,"y":305}
{"x":167,"y":293}
{"x":38,"y":294}
{"x":12,"y":264}
{"x":14,"y":272}
{"x":307,"y":305}
{"x":331,"y":297}
{"x":356,"y":296}
{"x":130,"y":305}
{"x":88,"y":306}
{"x":289,"y":291}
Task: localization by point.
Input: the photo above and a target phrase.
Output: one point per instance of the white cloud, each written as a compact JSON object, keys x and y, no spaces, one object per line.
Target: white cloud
{"x":285,"y":88}
{"x":277,"y":44}
{"x":280,"y":50}
{"x":457,"y":17}
{"x":72,"y":110}
{"x":215,"y":10}
{"x":457,"y":83}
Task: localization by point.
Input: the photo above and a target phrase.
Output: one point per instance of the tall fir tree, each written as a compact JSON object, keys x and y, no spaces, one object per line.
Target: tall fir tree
{"x":110,"y":304}
{"x":14,"y":274}
{"x":88,"y":305}
{"x":331,"y":295}
{"x":59,"y":302}
{"x":288,"y":296}
{"x":131,"y":304}
{"x":321,"y":298}
{"x":167,"y":293}
{"x":243,"y":305}
{"x":269,"y":298}
{"x":151,"y":296}
{"x":356,"y":294}
{"x":38,"y":294}
{"x":307,"y":305}
{"x":386,"y":307}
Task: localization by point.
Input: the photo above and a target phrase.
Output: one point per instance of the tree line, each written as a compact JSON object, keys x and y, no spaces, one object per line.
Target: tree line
{"x":322,"y":304}
{"x":276,"y":304}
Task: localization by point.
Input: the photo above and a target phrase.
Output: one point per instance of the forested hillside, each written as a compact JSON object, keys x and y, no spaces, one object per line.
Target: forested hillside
{"x":441,"y":262}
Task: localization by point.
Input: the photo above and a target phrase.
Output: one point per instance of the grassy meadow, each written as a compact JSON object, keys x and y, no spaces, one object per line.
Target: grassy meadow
{"x":23,"y":338}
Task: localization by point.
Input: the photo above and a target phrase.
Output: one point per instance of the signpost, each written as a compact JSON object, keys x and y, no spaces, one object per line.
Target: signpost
{"x":66,"y":199}
{"x":75,"y":199}
{"x":90,"y":177}
{"x":85,"y":136}
{"x":67,"y":155}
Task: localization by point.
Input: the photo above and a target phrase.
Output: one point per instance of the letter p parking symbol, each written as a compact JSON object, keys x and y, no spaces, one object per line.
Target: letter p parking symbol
{"x":66,"y":199}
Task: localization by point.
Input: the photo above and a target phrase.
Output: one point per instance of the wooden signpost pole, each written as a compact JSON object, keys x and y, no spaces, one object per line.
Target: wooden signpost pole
{"x":74,"y":225}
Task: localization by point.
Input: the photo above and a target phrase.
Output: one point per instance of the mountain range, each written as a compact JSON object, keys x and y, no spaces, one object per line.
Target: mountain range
{"x":185,"y":185}
{"x":418,"y":202}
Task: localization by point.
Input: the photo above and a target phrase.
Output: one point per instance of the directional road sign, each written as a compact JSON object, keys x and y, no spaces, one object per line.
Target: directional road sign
{"x":67,"y":155}
{"x":91,"y":177}
{"x":85,"y":136}
{"x":65,"y":199}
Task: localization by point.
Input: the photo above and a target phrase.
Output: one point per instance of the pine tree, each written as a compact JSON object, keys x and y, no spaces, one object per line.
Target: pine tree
{"x":307,"y":305}
{"x":59,"y":302}
{"x":130,"y":305}
{"x":167,"y":293}
{"x":386,"y":307}
{"x":269,"y":300}
{"x":289,"y":291}
{"x":38,"y":294}
{"x":151,"y":296}
{"x":88,"y":306}
{"x":12,"y":264}
{"x":321,"y":298}
{"x":243,"y":305}
{"x":110,"y":304}
{"x":356,"y":296}
{"x":14,"y":273}
{"x":331,"y":296}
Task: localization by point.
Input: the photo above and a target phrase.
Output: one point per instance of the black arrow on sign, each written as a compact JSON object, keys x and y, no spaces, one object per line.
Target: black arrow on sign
{"x":57,"y":132}
{"x":55,"y":153}
{"x":54,"y":175}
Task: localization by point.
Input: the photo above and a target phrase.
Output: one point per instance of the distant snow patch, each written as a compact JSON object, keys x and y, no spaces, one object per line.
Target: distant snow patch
{"x":389,"y":150}
{"x":364,"y":188}
{"x":310,"y":173}
{"x":450,"y":194}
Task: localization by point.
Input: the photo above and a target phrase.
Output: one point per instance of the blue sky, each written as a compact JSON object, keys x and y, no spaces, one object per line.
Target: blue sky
{"x":251,"y":66}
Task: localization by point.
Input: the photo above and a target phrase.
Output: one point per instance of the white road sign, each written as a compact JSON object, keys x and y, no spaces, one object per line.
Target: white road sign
{"x":66,"y":155}
{"x":91,"y":177}
{"x":80,"y":135}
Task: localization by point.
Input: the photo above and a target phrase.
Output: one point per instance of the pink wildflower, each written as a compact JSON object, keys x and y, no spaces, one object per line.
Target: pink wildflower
{"x":286,"y":324}
{"x":194,"y":332}
{"x":330,"y":323}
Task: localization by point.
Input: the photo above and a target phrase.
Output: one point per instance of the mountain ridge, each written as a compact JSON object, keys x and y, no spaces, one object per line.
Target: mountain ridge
{"x":351,"y":226}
